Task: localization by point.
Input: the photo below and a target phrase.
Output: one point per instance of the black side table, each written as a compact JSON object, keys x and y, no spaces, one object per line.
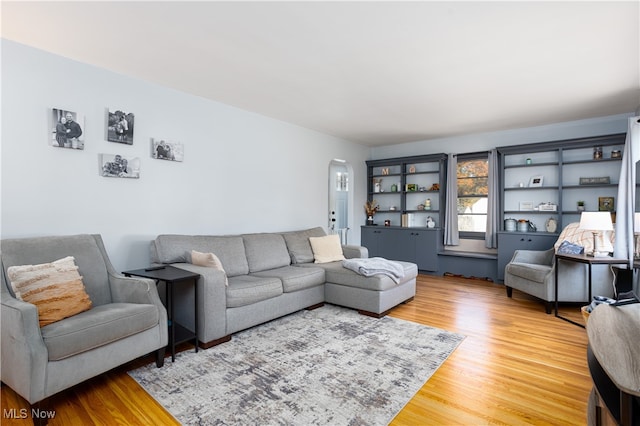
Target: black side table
{"x":173,"y":276}
{"x":589,"y":260}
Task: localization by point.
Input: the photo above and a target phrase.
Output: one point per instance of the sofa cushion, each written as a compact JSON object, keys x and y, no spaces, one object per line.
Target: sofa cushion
{"x":299,"y":246}
{"x":55,"y":288}
{"x":327,"y":248}
{"x":338,"y":274}
{"x":294,"y":279}
{"x":97,"y":327}
{"x":529,"y":271}
{"x":265,"y":251}
{"x":245,"y":290}
{"x":229,"y":249}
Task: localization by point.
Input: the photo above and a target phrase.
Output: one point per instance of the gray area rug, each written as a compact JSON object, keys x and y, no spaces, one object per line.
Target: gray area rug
{"x":329,"y":366}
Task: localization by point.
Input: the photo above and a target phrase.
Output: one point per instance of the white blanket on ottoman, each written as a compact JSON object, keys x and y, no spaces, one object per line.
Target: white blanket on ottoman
{"x":375,"y":266}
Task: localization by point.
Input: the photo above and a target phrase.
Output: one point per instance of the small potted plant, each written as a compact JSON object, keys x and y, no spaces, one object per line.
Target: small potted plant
{"x":580,"y":206}
{"x":370,"y":208}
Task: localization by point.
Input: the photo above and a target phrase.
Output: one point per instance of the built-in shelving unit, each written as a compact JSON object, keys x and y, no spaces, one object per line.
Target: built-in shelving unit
{"x":404,"y":187}
{"x":559,"y":167}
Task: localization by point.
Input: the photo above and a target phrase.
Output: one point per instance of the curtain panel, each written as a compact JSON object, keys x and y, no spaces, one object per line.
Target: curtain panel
{"x":624,"y":244}
{"x":451,"y":234}
{"x":493,"y":214}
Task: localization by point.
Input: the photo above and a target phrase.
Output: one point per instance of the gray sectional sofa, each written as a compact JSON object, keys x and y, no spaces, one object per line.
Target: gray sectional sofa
{"x":269,"y":275}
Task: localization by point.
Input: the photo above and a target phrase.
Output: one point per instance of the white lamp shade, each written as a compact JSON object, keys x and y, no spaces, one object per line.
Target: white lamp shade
{"x":596,"y":221}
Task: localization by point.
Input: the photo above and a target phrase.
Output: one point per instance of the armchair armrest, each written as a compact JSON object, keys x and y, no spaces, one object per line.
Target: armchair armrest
{"x":353,"y":251}
{"x":133,"y":290}
{"x":24,"y":355}
{"x":535,"y":257}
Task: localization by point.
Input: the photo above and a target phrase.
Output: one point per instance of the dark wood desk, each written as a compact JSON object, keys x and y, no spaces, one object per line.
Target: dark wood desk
{"x":172,"y":276}
{"x":589,"y":260}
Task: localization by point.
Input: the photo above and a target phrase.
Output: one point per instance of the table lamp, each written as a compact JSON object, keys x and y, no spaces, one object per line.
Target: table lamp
{"x":636,"y":231}
{"x":596,"y":222}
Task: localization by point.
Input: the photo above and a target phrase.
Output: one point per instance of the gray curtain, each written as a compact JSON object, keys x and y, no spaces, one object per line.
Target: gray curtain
{"x":623,"y":247}
{"x":451,"y":235}
{"x":493,"y":215}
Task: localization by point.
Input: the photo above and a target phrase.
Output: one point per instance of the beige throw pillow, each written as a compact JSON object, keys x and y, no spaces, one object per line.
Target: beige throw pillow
{"x":326,"y":249}
{"x":55,"y":288}
{"x":208,"y":260}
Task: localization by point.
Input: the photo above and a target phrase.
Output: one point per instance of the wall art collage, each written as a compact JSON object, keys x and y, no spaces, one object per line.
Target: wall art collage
{"x":67,"y":130}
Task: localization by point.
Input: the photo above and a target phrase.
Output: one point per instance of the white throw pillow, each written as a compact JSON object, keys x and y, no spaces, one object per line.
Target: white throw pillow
{"x":208,"y":260}
{"x":326,"y":249}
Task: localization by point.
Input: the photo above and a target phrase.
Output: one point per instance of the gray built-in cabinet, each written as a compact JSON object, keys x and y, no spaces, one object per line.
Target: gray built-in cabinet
{"x":570,"y":171}
{"x":559,"y":165}
{"x":400,"y":186}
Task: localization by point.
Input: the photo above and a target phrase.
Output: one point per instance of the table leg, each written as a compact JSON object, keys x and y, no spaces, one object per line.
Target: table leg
{"x":195,"y":311}
{"x":556,"y":287}
{"x":173,"y":327}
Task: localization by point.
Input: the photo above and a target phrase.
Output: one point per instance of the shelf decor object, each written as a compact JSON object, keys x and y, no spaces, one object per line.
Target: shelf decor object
{"x":597,"y":153}
{"x":547,"y":207}
{"x":596,"y":222}
{"x":526,"y":206}
{"x":605,"y":204}
{"x":604,"y":180}
{"x":536,"y":181}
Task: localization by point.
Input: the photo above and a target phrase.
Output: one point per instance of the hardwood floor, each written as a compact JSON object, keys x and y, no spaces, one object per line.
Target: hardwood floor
{"x":516,"y":366}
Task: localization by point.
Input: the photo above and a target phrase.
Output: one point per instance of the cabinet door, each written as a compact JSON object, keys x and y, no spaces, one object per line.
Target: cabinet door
{"x":370,"y":238}
{"x":509,"y":242}
{"x":395,"y":244}
{"x":426,"y":247}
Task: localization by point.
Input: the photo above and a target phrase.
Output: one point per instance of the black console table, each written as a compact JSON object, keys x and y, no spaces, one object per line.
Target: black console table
{"x":613,"y":356}
{"x":173,"y":276}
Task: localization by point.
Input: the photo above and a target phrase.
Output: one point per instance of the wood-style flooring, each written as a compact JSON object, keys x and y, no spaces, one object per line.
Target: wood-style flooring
{"x":516,"y":366}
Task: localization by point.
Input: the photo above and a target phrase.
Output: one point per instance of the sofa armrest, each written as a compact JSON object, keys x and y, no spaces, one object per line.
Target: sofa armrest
{"x":535,"y":257}
{"x":212,"y":303}
{"x":24,"y":356}
{"x":353,"y":251}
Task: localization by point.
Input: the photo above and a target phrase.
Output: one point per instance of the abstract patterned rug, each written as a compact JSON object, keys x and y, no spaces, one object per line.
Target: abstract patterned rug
{"x":329,"y":366}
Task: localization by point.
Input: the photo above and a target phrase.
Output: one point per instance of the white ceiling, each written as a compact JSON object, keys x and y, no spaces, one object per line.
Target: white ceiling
{"x":377,"y":73}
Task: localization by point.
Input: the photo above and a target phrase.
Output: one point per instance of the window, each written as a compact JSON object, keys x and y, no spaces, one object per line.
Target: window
{"x":472,"y":195}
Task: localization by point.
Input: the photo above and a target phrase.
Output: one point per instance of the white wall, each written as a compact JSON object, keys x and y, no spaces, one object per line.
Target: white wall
{"x":242,"y":172}
{"x":487,"y":141}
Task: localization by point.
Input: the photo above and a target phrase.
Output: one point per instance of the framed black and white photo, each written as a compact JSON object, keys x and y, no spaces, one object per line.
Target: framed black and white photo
{"x":116,"y":165}
{"x":66,"y":129}
{"x":167,"y":150}
{"x":606,"y":204}
{"x":120,"y":126}
{"x":536,"y":181}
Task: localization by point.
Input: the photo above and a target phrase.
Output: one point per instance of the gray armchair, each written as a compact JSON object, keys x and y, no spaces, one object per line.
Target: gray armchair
{"x":532,"y":272}
{"x":127,"y":320}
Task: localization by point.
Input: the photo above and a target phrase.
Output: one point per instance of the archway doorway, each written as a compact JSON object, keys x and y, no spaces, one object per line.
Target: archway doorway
{"x":340,"y":198}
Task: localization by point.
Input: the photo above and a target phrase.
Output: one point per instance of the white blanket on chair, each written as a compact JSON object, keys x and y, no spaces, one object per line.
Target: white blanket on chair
{"x":375,"y":266}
